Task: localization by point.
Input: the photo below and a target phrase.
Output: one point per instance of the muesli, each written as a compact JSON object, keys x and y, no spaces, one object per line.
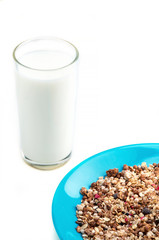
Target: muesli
{"x":122,"y":205}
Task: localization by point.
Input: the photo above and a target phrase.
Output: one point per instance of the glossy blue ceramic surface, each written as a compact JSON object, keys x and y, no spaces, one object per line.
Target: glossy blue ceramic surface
{"x":67,"y":195}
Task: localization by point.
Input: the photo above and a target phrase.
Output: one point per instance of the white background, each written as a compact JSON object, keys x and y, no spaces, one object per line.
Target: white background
{"x":118,"y":94}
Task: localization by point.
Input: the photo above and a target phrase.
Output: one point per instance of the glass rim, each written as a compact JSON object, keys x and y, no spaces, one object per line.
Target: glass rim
{"x":45,"y":38}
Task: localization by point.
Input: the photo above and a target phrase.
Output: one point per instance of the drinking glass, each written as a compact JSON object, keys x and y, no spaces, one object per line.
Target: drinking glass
{"x":46,"y":86}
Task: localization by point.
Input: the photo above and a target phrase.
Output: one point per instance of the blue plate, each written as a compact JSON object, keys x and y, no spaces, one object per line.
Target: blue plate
{"x":67,"y":195}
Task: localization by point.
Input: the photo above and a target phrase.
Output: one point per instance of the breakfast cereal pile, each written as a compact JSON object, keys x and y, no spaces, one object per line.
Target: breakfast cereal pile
{"x":122,"y":205}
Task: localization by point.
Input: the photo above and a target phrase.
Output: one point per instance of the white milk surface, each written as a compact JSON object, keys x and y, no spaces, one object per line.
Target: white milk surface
{"x":46,"y":102}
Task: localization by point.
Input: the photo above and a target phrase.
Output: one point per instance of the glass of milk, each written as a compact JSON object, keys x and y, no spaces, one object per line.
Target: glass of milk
{"x":46,"y":82}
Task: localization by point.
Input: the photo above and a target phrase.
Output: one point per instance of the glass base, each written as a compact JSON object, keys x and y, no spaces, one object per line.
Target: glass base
{"x":46,"y":166}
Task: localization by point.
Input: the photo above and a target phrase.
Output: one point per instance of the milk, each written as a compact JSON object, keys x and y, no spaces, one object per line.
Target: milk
{"x":46,"y":104}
